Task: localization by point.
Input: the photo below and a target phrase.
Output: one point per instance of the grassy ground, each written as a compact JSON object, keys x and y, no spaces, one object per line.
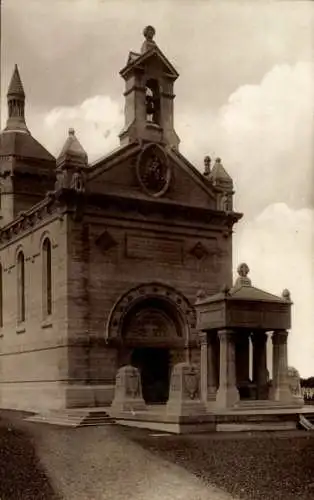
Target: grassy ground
{"x":21,"y":473}
{"x":259,"y":466}
{"x":114,"y":463}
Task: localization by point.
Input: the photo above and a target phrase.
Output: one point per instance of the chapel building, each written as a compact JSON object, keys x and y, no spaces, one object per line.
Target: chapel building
{"x":101,"y":263}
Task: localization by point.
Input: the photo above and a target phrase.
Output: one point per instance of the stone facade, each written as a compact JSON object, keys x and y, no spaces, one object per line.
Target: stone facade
{"x":132,"y":239}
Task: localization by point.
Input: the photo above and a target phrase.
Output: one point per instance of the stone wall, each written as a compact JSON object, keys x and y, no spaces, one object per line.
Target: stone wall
{"x":64,"y":361}
{"x":33,"y":354}
{"x":108,"y":257}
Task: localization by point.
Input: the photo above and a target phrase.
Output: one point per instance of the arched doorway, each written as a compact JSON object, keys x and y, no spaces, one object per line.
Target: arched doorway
{"x":154,"y":366}
{"x":151,"y":333}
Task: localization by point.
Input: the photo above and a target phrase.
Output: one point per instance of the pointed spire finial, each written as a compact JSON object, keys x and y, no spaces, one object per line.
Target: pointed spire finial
{"x":16,"y":104}
{"x":207,"y":164}
{"x":16,"y":86}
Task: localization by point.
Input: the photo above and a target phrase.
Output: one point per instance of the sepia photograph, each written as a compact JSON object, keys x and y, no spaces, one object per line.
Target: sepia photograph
{"x":156,"y":250}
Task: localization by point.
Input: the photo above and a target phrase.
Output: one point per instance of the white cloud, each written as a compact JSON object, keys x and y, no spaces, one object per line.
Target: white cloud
{"x":278,"y":246}
{"x":97,"y":121}
{"x":264,"y":133}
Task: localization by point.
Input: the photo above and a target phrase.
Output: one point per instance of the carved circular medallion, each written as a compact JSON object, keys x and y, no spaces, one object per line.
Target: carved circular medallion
{"x":153,"y":170}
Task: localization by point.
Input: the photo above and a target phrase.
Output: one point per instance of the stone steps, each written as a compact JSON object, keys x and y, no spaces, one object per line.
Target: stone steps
{"x":74,"y":418}
{"x":254,"y":426}
{"x":262,"y":403}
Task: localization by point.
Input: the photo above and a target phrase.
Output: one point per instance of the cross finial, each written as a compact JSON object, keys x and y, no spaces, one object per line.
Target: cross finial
{"x":243,"y":270}
{"x":243,"y":279}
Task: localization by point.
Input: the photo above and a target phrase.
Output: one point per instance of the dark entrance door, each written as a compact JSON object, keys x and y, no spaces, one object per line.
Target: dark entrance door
{"x":153,"y":364}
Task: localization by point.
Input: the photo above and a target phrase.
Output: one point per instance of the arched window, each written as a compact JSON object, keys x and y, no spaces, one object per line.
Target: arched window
{"x":152,"y":101}
{"x":1,"y":297}
{"x":47,"y":289}
{"x":20,"y":287}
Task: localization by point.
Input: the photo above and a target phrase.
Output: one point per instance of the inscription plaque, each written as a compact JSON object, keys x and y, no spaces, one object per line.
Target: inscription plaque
{"x":154,"y":249}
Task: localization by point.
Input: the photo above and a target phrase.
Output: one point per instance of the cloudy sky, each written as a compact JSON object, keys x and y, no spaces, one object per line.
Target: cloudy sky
{"x":245,"y":93}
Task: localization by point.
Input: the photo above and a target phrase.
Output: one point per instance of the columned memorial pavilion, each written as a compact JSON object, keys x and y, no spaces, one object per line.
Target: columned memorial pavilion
{"x":228,"y":322}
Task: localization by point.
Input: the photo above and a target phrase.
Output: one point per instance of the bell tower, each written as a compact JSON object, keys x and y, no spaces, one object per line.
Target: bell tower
{"x":149,"y":98}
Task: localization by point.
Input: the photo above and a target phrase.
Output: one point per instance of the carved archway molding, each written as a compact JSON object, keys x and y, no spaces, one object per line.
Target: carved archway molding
{"x":176,"y":300}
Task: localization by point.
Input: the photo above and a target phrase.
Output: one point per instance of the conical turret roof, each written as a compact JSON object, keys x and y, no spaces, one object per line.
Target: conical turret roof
{"x":219,"y":176}
{"x":16,"y":86}
{"x":16,"y":139}
{"x":73,"y":149}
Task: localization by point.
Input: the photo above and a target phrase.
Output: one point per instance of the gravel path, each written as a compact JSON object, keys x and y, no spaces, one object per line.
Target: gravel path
{"x":53,"y":463}
{"x":103,"y":464}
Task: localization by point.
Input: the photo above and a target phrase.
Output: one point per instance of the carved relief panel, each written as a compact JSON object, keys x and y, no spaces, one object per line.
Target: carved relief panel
{"x":151,"y":325}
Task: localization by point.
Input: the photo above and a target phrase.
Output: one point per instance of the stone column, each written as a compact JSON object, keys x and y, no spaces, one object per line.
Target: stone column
{"x":228,"y":394}
{"x":259,"y":341}
{"x":208,"y":365}
{"x":204,"y":365}
{"x":243,"y":357}
{"x":280,"y":385}
{"x":212,"y":366}
{"x":243,"y":363}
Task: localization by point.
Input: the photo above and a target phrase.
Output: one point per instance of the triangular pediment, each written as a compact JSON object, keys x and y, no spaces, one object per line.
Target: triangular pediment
{"x":141,"y":60}
{"x":124,"y":173}
{"x":251,"y":293}
{"x":244,"y":294}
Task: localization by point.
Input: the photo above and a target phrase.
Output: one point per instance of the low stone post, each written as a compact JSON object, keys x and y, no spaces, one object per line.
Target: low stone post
{"x":128,"y":391}
{"x":185,"y":395}
{"x":295,"y":386}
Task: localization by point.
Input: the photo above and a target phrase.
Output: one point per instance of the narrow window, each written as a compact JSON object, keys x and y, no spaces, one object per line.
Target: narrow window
{"x":47,"y":292}
{"x":20,"y":288}
{"x":1,"y":297}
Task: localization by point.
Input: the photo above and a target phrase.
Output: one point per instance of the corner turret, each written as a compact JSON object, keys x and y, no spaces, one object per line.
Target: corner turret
{"x":71,"y":163}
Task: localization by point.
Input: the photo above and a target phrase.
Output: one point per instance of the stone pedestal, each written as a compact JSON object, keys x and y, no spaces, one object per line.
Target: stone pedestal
{"x":228,"y":394}
{"x":280,"y":390}
{"x":128,"y":390}
{"x":184,"y":395}
{"x":260,"y":374}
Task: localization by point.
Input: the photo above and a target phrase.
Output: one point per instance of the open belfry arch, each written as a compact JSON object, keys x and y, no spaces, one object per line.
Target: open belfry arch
{"x":101,"y":263}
